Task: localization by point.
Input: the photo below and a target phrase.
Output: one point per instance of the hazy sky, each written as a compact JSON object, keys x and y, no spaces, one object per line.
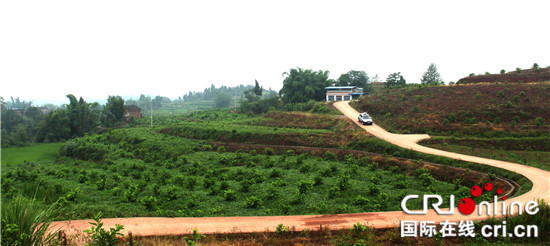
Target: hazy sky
{"x":98,"y":48}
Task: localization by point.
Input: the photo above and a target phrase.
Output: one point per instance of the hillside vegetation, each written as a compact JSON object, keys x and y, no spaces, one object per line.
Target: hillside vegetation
{"x":488,"y":110}
{"x":517,"y":76}
{"x":173,"y":170}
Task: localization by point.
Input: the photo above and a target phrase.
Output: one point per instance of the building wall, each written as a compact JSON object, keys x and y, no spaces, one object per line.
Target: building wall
{"x":338,"y":96}
{"x":135,"y":114}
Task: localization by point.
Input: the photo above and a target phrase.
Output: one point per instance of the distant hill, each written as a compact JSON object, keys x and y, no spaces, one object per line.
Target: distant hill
{"x":524,"y":75}
{"x":479,"y":109}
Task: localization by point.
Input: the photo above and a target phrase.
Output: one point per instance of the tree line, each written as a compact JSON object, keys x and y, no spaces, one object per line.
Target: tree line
{"x":304,"y":85}
{"x":21,"y":126}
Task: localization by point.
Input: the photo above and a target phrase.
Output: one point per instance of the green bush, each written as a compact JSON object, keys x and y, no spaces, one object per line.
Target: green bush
{"x":508,"y":104}
{"x":304,"y":186}
{"x":269,"y":151}
{"x":253,"y":202}
{"x":99,"y":236}
{"x":539,"y":121}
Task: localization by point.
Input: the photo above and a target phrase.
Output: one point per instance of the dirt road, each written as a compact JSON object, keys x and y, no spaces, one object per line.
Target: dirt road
{"x":147,"y":226}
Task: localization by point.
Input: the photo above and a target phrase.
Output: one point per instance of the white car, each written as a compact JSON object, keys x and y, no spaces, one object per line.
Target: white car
{"x":364,"y":119}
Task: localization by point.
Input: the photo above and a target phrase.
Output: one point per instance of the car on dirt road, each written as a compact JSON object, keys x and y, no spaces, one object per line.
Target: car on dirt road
{"x":364,"y":119}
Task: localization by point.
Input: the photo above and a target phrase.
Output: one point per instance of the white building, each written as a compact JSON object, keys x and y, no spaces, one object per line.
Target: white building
{"x":343,"y":93}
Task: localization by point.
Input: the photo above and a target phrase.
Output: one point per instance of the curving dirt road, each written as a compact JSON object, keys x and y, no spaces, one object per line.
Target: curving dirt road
{"x":147,"y":226}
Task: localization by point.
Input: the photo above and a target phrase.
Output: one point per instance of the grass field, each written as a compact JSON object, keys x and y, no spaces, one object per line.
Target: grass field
{"x":43,"y":152}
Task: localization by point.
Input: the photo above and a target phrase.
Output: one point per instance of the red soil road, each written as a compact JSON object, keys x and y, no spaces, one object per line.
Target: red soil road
{"x":149,"y":226}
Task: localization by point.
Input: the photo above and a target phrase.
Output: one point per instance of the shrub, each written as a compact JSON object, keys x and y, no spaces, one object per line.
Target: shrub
{"x":207,"y":147}
{"x":472,"y":74}
{"x":317,"y":180}
{"x":500,"y":94}
{"x":131,"y":193}
{"x":508,"y":104}
{"x":149,"y":202}
{"x":539,"y":121}
{"x":304,"y":186}
{"x":271,"y":192}
{"x":502,"y":71}
{"x":304,"y":168}
{"x":471,"y":120}
{"x":522,"y":94}
{"x":518,"y":70}
{"x":99,"y":236}
{"x":516,"y":98}
{"x":427,"y":178}
{"x":361,"y":200}
{"x":343,"y":181}
{"x":269,"y":151}
{"x":281,"y":229}
{"x":194,"y":238}
{"x":253,"y":202}
{"x":358,"y":228}
{"x":373,"y":190}
{"x":172,"y":193}
{"x":229,"y":195}
{"x":333,"y":191}
{"x":516,"y":120}
{"x":330,"y":156}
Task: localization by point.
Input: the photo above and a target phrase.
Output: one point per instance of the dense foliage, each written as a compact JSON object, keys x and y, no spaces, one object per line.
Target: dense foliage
{"x":302,"y":85}
{"x":154,"y":174}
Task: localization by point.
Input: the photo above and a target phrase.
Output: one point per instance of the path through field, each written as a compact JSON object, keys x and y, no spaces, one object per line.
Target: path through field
{"x":148,"y":226}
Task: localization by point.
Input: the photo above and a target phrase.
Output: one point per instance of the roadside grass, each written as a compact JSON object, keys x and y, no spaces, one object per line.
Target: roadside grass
{"x":24,"y":222}
{"x":43,"y":152}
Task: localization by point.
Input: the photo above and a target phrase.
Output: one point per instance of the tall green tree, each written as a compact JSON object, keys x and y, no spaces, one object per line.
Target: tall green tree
{"x":303,"y":85}
{"x":54,"y":127}
{"x":254,"y":94}
{"x":257,"y":89}
{"x":222,"y":100}
{"x":73,"y":110}
{"x":83,"y":117}
{"x":114,"y":111}
{"x":431,"y":76}
{"x":353,"y":78}
{"x":395,"y":80}
{"x":157,"y":102}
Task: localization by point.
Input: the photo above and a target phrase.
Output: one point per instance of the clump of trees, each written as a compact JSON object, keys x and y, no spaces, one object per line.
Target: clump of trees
{"x":21,"y":126}
{"x":302,"y":85}
{"x":254,"y":104}
{"x":395,"y":80}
